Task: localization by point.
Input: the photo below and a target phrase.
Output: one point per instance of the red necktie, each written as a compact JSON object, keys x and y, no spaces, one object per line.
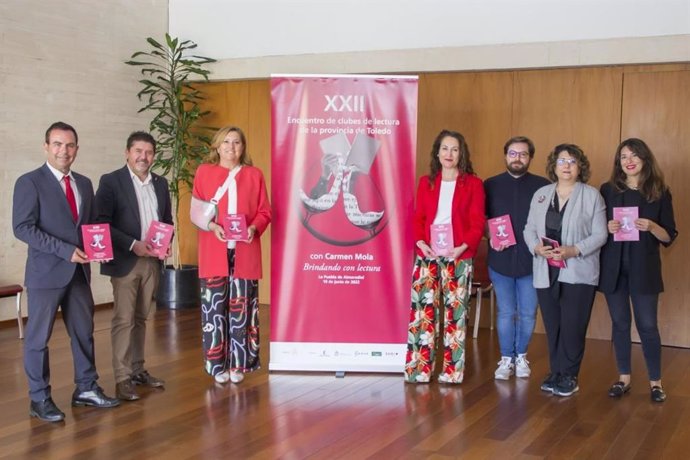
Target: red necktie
{"x":71,"y":201}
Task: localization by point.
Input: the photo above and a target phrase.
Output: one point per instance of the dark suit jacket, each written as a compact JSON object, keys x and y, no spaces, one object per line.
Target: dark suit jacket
{"x":645,"y":261}
{"x":42,"y":219}
{"x":117,"y":205}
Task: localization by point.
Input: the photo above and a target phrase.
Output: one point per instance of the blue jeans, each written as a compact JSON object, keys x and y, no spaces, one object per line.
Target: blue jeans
{"x":517,"y":312}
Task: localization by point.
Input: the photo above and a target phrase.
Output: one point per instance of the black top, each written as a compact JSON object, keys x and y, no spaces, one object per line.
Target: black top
{"x":506,"y":194}
{"x":553,"y":226}
{"x":642,"y":257}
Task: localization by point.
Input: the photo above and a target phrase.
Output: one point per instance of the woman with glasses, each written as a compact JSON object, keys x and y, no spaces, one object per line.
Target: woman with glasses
{"x":566,"y":227}
{"x":630,"y":261}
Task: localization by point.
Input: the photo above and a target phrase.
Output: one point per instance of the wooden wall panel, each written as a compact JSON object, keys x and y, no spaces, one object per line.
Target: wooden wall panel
{"x":478,"y":105}
{"x":259,"y":131}
{"x":656,"y":108}
{"x":579,"y":106}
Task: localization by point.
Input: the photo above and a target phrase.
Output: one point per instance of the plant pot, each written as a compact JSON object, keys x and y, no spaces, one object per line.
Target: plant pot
{"x":178,"y":289}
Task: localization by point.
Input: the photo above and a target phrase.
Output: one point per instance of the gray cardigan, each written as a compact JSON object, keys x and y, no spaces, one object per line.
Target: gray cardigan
{"x":584,"y":226}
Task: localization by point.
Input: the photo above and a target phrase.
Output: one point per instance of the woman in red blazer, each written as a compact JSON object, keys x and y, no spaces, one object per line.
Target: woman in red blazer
{"x":448,"y":226}
{"x":229,"y":270}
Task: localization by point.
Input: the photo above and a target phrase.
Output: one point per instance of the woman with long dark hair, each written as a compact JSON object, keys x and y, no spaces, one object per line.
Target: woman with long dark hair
{"x":631,"y":267}
{"x":448,"y":226}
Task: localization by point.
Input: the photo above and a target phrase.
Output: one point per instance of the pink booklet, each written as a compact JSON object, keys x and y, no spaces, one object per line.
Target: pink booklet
{"x":442,"y":239}
{"x":97,"y":243}
{"x":158,"y":237}
{"x":501,"y":231}
{"x":626,"y":216}
{"x":235,"y":226}
{"x":554,"y":244}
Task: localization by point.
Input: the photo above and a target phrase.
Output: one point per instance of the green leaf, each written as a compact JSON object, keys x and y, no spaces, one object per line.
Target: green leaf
{"x":154,"y":43}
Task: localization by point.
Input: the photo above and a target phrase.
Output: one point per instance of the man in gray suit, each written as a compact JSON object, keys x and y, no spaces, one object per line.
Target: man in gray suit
{"x":129,"y":199}
{"x":49,"y":205}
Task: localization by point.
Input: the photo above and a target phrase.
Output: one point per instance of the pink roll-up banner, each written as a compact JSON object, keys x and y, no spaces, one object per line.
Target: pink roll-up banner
{"x":342,"y":186}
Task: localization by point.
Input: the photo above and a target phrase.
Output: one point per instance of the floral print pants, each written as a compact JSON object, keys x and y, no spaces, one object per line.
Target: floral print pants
{"x":438,"y":283}
{"x":230,"y":322}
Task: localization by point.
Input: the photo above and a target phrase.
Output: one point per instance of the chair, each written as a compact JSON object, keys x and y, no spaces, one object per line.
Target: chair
{"x":481,"y":283}
{"x":10,"y":291}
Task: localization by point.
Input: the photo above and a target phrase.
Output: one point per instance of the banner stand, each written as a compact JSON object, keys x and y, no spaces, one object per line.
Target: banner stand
{"x":343,"y":172}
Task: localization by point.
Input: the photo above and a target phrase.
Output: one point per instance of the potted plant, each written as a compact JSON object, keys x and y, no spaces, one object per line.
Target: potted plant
{"x":168,"y":93}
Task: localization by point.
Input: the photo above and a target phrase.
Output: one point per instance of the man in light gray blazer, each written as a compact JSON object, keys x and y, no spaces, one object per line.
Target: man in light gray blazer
{"x":49,"y":205}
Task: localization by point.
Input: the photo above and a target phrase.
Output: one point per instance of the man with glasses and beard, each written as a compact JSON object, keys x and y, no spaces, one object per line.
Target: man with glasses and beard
{"x":510,"y":267}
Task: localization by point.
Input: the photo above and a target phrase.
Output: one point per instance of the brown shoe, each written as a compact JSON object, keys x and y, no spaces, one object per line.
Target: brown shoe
{"x":144,"y":378}
{"x":125,"y":391}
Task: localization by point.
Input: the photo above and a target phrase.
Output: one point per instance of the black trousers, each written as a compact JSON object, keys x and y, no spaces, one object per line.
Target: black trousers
{"x":76,"y":302}
{"x":644,"y":307}
{"x":566,"y":309}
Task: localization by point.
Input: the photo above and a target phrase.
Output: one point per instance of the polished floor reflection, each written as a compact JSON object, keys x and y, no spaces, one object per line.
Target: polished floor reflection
{"x":301,"y":415}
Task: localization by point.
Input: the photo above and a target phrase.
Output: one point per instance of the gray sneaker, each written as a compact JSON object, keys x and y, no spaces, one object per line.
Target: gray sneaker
{"x":505,"y":368}
{"x":522,"y":369}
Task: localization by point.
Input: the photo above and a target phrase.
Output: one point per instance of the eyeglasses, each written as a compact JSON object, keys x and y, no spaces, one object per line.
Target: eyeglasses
{"x":514,"y":154}
{"x":564,"y":161}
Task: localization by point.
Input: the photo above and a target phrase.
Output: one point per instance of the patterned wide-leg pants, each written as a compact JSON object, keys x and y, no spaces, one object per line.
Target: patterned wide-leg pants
{"x":437,"y":283}
{"x":230,"y":322}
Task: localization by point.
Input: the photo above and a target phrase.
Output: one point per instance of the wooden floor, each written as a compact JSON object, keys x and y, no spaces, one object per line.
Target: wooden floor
{"x":297,"y":415}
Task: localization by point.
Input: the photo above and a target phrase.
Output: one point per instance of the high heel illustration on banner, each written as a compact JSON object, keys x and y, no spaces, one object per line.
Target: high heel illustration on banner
{"x":366,"y":220}
{"x":346,"y":168}
{"x":316,"y":204}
